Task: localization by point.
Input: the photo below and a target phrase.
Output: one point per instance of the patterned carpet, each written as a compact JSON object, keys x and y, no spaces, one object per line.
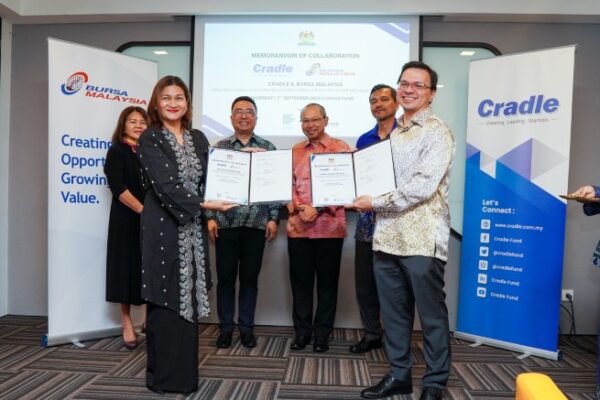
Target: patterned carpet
{"x":105,"y":369}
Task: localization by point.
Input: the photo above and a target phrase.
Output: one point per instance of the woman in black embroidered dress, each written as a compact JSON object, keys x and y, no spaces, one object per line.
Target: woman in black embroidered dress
{"x":123,"y":255}
{"x":175,"y":270}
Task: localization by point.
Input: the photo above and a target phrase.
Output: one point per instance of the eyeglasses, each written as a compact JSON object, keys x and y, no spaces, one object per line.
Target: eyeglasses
{"x":246,"y":113}
{"x":311,"y":121}
{"x":416,"y":85}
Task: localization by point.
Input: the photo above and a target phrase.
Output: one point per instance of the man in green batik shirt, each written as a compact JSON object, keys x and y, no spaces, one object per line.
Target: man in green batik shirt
{"x":239,"y":236}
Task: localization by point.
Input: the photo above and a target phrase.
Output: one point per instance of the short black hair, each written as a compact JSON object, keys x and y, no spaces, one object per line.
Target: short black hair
{"x":244,"y":98}
{"x":382,"y":86}
{"x":421,"y":65}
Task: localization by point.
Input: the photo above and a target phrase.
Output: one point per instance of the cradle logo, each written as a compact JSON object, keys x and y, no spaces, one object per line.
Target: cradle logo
{"x":74,"y":83}
{"x":271,"y":69}
{"x":535,"y":104}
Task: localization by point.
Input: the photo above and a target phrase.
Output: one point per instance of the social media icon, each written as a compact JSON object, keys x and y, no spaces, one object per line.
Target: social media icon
{"x":485,"y":224}
{"x":484,"y":251}
{"x":482,"y":278}
{"x":483,"y":265}
{"x":484,"y":238}
{"x":481,"y":292}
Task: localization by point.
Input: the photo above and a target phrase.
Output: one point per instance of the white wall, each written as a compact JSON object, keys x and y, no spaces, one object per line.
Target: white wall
{"x":145,"y":8}
{"x":582,"y":232}
{"x":5,"y":68}
{"x":27,"y":188}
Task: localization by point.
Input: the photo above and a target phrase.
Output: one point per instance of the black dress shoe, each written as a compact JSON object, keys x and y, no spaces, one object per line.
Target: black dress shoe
{"x":248,"y":339}
{"x":189,"y":392}
{"x":224,"y":340}
{"x":388,"y":386}
{"x":431,"y":393}
{"x":164,"y":392}
{"x":300,"y":342}
{"x":321,"y":344}
{"x":156,"y":390}
{"x":131,"y":344}
{"x":365,"y":345}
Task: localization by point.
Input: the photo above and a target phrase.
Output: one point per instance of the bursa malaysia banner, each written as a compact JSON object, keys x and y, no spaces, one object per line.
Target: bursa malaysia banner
{"x":518,"y":140}
{"x":87,"y":90}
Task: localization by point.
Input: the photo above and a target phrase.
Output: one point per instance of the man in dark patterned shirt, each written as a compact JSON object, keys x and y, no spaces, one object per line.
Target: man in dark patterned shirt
{"x":383,"y":107}
{"x":239,"y":236}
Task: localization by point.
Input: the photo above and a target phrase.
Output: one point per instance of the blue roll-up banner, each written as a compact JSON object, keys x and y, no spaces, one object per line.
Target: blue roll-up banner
{"x":518,"y":140}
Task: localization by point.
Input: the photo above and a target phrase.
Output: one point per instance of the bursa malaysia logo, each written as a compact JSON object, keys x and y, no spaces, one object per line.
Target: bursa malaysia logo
{"x":317,"y":69}
{"x":79,"y":80}
{"x":74,"y":83}
{"x":535,"y":104}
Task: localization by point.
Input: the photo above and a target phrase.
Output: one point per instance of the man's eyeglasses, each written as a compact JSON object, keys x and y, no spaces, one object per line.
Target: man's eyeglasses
{"x":311,"y":121}
{"x":247,"y":113}
{"x":416,"y":85}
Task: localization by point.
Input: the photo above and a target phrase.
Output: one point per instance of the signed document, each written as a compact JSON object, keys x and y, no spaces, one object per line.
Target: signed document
{"x":246,"y":178}
{"x":227,"y":175}
{"x":271,"y":177}
{"x":332,"y":179}
{"x":374,"y":169}
{"x":580,"y":199}
{"x":337,"y":178}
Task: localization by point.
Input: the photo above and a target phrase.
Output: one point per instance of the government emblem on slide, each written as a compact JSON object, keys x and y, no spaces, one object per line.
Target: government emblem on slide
{"x":306,"y":38}
{"x":74,"y":83}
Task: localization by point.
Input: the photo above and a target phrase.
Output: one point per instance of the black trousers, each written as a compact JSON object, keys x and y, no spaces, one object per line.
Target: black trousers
{"x":310,"y":258}
{"x":402,"y":283}
{"x":172,"y":351}
{"x":366,"y":290}
{"x":238,"y":250}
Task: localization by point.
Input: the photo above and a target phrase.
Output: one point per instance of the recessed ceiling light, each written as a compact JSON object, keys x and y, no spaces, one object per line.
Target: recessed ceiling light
{"x":467,"y":53}
{"x":439,"y":86}
{"x":160,"y":52}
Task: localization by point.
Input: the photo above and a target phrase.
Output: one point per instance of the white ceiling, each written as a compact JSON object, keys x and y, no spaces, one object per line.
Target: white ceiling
{"x":62,"y":11}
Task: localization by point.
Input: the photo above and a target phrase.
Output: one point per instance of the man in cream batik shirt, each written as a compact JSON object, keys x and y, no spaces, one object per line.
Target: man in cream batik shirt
{"x":410,"y":241}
